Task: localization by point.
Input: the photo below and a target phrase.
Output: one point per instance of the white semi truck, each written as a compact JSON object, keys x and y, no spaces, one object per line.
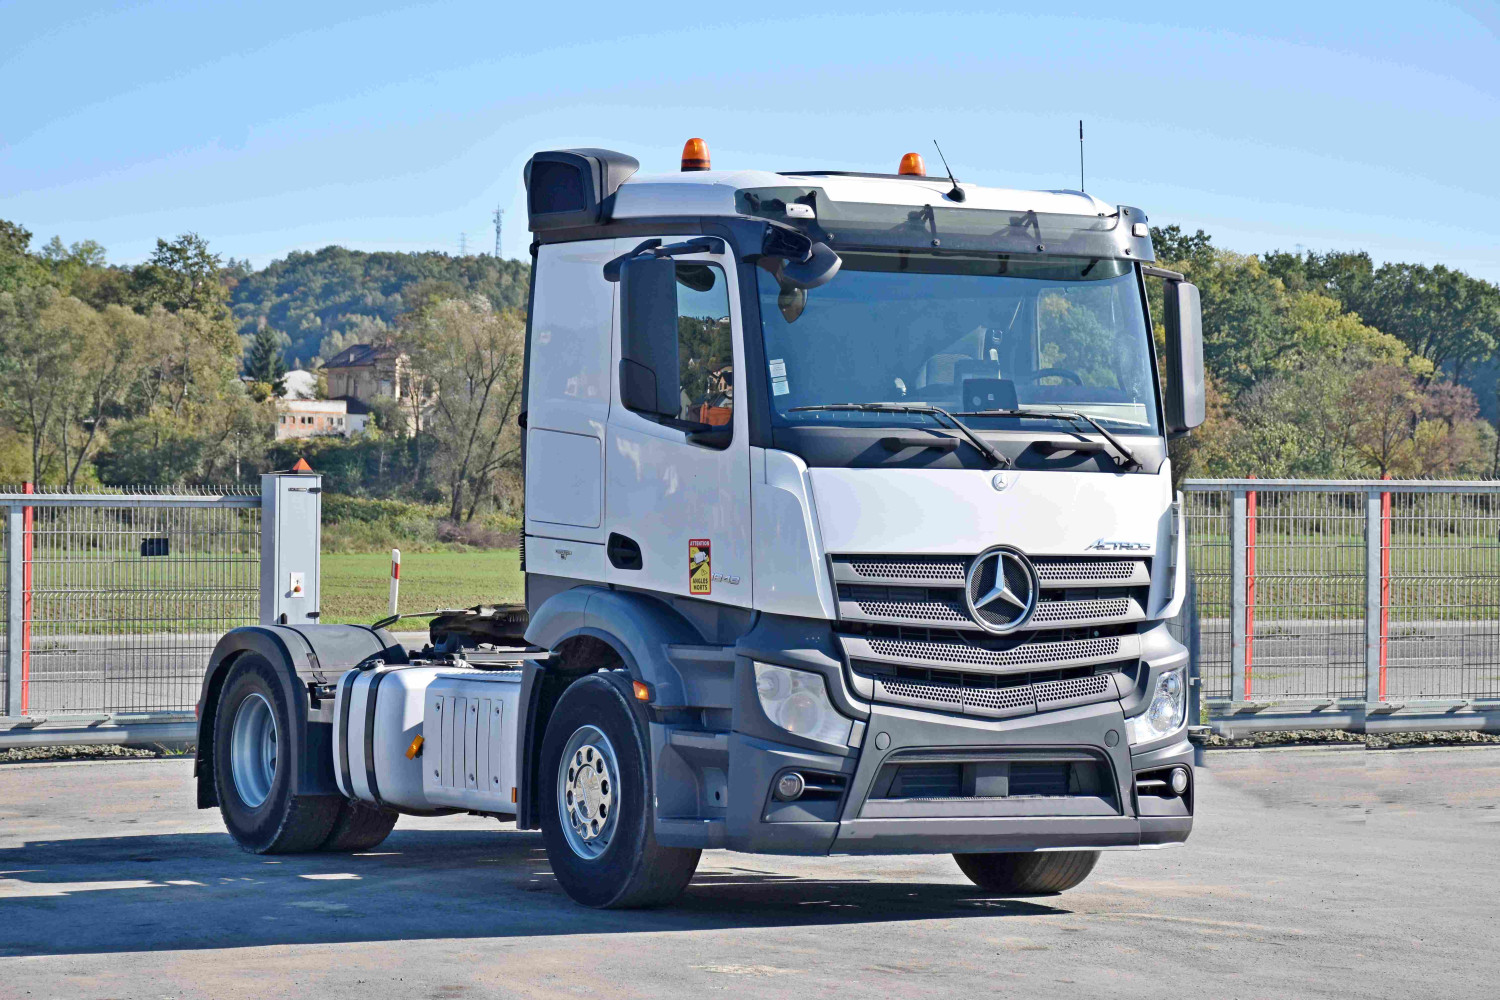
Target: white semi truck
{"x":849,"y":529}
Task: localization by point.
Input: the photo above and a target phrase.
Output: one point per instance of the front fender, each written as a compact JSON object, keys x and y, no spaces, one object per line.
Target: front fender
{"x":645,"y":632}
{"x":301,"y":655}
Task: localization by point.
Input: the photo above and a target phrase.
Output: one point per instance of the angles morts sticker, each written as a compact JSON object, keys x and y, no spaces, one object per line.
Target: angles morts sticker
{"x":700,"y":566}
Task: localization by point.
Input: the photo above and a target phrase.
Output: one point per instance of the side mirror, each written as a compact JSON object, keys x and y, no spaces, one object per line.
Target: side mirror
{"x":796,"y":260}
{"x":1186,"y":398}
{"x":649,"y":376}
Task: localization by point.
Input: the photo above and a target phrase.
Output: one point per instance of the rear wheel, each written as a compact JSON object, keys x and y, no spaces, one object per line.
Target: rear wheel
{"x":1027,"y":874}
{"x":359,"y":827}
{"x":596,"y":816}
{"x":253,"y":736}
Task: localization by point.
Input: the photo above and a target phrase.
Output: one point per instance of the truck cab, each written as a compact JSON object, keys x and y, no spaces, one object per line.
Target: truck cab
{"x":849,"y":529}
{"x":865,"y":479}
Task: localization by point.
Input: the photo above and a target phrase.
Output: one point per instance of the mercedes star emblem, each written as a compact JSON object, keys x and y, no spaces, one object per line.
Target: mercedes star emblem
{"x":1001,"y":589}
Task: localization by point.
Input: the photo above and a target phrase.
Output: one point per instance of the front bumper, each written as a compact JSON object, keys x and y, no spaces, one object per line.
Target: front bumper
{"x":859,"y":822}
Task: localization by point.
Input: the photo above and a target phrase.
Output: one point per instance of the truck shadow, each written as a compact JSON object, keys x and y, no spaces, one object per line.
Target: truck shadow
{"x":186,"y":891}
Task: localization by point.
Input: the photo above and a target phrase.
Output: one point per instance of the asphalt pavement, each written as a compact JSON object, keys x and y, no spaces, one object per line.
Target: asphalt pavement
{"x":1311,"y":873}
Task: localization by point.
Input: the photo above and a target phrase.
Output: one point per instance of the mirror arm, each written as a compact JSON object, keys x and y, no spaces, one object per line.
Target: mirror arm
{"x":654,"y":248}
{"x":1152,"y":271}
{"x":612,"y":268}
{"x":701,"y":244}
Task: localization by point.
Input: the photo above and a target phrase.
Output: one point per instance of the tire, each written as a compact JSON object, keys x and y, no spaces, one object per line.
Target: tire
{"x":359,"y":827}
{"x":252,"y":729}
{"x":595,"y":793}
{"x":1028,"y":874}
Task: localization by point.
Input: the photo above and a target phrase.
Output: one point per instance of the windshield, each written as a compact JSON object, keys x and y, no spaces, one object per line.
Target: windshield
{"x":965,"y":332}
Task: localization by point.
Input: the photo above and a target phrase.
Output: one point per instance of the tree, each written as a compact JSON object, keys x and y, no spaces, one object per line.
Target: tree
{"x":108,"y":369}
{"x":18,"y":268}
{"x":39,"y":338}
{"x":183,"y":275}
{"x":1443,"y":315}
{"x":263,"y":362}
{"x":80,"y":270}
{"x":1174,"y":247}
{"x":1384,"y":403}
{"x":468,"y":356}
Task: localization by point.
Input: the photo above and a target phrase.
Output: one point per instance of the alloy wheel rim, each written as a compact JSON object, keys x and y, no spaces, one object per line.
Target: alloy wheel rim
{"x":588,"y":792}
{"x":253,"y":747}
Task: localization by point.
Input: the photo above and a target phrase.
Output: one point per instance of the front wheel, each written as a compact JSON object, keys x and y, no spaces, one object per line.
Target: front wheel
{"x":1028,"y":874}
{"x":596,"y":820}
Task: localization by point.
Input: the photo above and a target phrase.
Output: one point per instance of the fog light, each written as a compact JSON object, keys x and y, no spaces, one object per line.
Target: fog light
{"x":1179,"y":780}
{"x":790,"y":786}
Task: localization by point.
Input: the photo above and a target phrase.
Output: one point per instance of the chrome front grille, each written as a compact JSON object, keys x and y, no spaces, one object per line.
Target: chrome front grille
{"x":929,"y":590}
{"x":916,"y":569}
{"x":1083,"y":572}
{"x":1114,"y":609}
{"x":975,"y":694}
{"x":911,"y":638}
{"x":954,"y":652}
{"x":876,"y":606}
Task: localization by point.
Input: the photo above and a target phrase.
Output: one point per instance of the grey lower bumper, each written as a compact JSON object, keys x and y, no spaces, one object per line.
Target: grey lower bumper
{"x":756,"y":823}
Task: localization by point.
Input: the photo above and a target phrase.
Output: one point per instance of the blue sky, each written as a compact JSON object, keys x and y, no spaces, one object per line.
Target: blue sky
{"x":270,"y":126}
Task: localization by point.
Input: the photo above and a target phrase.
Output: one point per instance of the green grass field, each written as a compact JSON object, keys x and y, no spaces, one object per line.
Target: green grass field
{"x":356,"y":586}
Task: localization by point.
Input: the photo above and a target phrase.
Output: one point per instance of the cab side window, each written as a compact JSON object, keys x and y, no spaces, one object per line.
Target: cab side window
{"x":705,"y":349}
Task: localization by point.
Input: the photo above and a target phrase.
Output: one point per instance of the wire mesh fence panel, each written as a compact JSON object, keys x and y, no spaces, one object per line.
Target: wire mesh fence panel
{"x":178,"y":490}
{"x":128,"y":602}
{"x":4,"y":608}
{"x":1441,"y":562}
{"x":1305,"y":596}
{"x":1207,"y":515}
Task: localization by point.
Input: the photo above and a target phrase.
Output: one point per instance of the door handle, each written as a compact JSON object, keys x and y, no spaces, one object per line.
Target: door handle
{"x":624,"y":552}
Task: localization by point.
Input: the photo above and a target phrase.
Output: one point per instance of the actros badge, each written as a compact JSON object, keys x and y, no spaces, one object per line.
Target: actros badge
{"x":1106,"y":545}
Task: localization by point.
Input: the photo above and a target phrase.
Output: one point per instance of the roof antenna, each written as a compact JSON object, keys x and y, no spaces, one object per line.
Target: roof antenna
{"x":957,"y":194}
{"x":1080,"y":155}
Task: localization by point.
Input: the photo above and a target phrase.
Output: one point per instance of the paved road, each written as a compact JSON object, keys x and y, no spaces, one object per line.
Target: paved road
{"x":1311,"y":874}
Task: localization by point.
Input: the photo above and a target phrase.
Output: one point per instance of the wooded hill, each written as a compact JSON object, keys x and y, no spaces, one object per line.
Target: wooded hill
{"x":321,"y":302}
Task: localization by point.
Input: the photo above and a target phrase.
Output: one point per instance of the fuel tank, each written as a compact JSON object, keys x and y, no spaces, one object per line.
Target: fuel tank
{"x":428,"y":739}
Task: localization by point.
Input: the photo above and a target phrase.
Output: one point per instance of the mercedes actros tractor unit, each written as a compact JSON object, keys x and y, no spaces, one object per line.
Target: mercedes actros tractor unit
{"x":849,"y":529}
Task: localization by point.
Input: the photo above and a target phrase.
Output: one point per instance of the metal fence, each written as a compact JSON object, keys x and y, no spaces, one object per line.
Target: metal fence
{"x":1364,"y":605}
{"x":1368,"y":605}
{"x":113,"y":602}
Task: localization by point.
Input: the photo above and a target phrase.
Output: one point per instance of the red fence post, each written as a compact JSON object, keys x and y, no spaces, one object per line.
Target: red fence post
{"x":1385,"y":580}
{"x":1250,"y":506}
{"x":26,"y":554}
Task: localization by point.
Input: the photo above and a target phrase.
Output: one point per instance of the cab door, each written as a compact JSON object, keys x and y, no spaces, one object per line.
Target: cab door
{"x":677,"y":494}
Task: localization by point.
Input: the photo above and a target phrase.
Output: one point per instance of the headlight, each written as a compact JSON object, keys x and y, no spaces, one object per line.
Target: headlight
{"x":797,"y":701}
{"x":1167,"y":711}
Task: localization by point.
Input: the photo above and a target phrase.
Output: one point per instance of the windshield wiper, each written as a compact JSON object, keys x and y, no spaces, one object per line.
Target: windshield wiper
{"x":984,"y":447}
{"x":1127,"y":457}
